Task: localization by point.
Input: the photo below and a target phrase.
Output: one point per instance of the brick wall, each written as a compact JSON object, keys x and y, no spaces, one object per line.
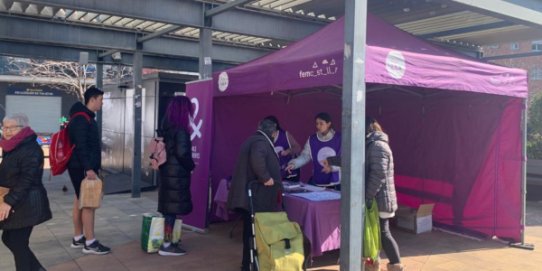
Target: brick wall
{"x":532,"y":64}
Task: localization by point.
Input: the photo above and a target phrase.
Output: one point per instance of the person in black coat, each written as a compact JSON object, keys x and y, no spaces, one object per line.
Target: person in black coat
{"x":258,"y":165}
{"x":174,"y":196}
{"x":26,"y":204}
{"x":85,"y":162}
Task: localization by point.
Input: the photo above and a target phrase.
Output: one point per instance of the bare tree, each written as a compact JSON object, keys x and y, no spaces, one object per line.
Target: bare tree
{"x":67,"y":76}
{"x":116,"y":74}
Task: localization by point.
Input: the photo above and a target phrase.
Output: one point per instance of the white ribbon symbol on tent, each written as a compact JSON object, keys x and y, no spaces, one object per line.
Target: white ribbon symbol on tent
{"x":196,"y":129}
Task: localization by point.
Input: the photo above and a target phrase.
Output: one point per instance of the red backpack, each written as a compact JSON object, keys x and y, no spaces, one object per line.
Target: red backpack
{"x":61,"y":148}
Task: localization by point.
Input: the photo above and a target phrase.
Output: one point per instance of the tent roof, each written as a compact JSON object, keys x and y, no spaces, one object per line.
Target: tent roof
{"x":392,"y":57}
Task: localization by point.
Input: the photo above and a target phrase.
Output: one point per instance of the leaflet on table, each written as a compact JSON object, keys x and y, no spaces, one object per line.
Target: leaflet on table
{"x":319,"y":196}
{"x":290,"y":185}
{"x":300,"y":187}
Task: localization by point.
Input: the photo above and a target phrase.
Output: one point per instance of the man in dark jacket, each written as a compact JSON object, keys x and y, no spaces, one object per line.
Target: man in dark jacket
{"x":85,"y":162}
{"x":257,"y":166}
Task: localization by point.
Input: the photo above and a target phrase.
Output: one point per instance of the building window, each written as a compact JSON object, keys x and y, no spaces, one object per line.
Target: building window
{"x":535,"y":74}
{"x":493,"y":46}
{"x":514,"y":46}
{"x":536,"y":45}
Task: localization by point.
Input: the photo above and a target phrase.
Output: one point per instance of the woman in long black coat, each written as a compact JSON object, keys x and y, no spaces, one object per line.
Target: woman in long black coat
{"x":174,"y":193}
{"x":26,"y":204}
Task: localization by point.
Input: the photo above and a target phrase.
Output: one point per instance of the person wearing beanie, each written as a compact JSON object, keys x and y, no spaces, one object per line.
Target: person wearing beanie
{"x":257,"y":166}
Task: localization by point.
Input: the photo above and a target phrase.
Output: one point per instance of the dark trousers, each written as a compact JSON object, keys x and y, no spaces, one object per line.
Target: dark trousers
{"x":389,"y":245}
{"x":169,"y":223}
{"x":16,"y":241}
{"x":76,"y":176}
{"x":247,"y":238}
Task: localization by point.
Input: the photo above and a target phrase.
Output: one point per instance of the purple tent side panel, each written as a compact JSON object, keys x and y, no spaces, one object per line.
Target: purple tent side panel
{"x":201,"y":95}
{"x":461,"y":152}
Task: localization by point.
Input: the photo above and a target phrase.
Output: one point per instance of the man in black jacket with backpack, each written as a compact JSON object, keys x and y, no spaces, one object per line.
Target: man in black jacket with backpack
{"x":85,"y":162}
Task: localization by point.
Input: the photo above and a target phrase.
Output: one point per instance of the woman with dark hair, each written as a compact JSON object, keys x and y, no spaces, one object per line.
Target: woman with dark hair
{"x":26,"y":204}
{"x":380,"y":186}
{"x":174,"y":192}
{"x":286,"y":148}
{"x":321,"y":145}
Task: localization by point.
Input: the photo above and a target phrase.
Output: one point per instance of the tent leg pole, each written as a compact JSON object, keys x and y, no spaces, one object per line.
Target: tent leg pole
{"x":522,"y":244}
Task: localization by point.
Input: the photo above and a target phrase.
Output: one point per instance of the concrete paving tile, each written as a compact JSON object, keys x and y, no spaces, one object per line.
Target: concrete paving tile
{"x":67,"y":266}
{"x":102,"y":262}
{"x":118,"y":225}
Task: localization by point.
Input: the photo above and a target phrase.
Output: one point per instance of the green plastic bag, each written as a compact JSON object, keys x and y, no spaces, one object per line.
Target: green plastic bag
{"x":371,"y":233}
{"x":152,"y":233}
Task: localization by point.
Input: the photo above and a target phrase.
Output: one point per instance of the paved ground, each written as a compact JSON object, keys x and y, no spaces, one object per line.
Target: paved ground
{"x":118,"y":225}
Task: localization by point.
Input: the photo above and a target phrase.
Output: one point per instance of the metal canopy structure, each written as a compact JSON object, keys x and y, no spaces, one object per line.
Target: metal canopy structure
{"x":166,"y":28}
{"x":241,"y":30}
{"x":207,"y":35}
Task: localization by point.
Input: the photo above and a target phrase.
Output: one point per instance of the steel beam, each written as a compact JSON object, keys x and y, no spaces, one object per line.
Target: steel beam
{"x":510,"y":56}
{"x":178,"y":12}
{"x":225,"y":7}
{"x":188,"y":13}
{"x":107,"y":53}
{"x":261,"y":25}
{"x":466,"y":30}
{"x":160,"y":33}
{"x":100,"y":85}
{"x":205,"y":53}
{"x":138,"y":102}
{"x":526,"y":12}
{"x":94,"y":38}
{"x":353,"y":133}
{"x":8,"y":4}
{"x":60,"y":53}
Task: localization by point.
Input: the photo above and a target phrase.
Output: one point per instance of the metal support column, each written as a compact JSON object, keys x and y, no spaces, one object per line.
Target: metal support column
{"x":100,"y":85}
{"x":524,"y":117}
{"x":205,"y":47}
{"x":353,"y":133}
{"x":138,"y":92}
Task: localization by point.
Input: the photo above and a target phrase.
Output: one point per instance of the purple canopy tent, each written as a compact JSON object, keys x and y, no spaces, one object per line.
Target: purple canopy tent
{"x":454,"y":123}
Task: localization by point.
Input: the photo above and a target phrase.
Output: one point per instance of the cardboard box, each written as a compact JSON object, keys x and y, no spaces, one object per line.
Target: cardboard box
{"x":415,"y":220}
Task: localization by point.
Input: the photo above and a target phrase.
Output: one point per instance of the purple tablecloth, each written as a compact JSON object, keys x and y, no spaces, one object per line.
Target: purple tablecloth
{"x":221,"y":200}
{"x":319,"y":220}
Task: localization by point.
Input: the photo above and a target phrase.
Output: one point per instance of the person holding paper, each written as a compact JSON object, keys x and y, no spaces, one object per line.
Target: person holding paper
{"x":286,"y":148}
{"x":324,"y":143}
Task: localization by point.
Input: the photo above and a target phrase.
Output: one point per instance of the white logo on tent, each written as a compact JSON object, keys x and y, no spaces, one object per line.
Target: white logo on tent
{"x":502,"y":79}
{"x":327,"y":68}
{"x":395,"y":64}
{"x":223,"y":81}
{"x":196,"y":128}
{"x":324,"y":153}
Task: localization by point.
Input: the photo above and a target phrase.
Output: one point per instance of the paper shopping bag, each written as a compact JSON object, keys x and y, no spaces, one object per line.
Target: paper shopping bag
{"x":152,"y":233}
{"x":3,"y":192}
{"x":177,"y":231}
{"x":91,"y":193}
